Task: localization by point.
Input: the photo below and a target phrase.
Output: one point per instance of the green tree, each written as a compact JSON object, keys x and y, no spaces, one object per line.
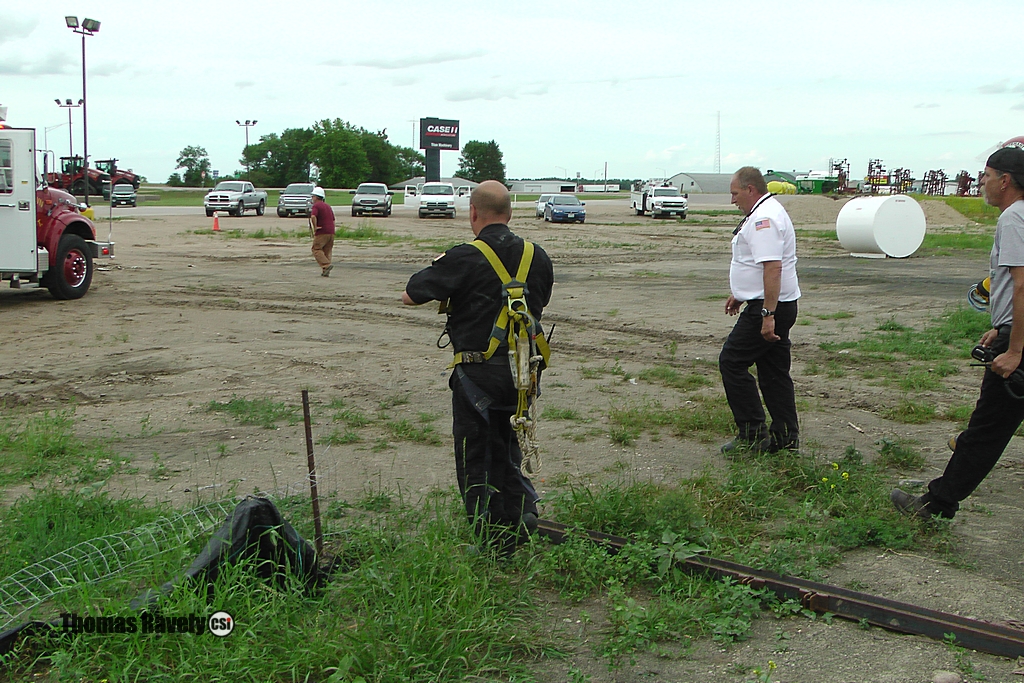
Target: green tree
{"x":195,"y":161}
{"x":337,"y":151}
{"x":481,"y":161}
{"x":410,"y":163}
{"x":275,"y":160}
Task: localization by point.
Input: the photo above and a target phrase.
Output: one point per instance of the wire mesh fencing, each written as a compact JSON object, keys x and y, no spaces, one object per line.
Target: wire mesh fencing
{"x":104,"y":557}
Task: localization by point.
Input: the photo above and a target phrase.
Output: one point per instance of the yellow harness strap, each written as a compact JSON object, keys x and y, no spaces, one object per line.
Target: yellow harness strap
{"x":515,"y":308}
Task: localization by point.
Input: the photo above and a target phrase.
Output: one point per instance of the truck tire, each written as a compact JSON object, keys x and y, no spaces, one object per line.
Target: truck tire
{"x":387,"y":212}
{"x":353,"y":212}
{"x":282,"y":214}
{"x":683,"y":215}
{"x":453,"y":214}
{"x":421,"y":213}
{"x":240,"y":209}
{"x":71,"y":276}
{"x":262,"y":208}
{"x":209,"y":213}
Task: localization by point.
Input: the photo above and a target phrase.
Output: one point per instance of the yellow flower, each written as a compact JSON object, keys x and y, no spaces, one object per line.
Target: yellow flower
{"x":846,"y":475}
{"x":832,"y":487}
{"x":771,"y":665}
{"x":835,"y":466}
{"x":824,"y":480}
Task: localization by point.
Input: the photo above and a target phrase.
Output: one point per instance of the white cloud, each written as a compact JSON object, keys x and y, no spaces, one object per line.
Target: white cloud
{"x":50,"y":64}
{"x":16,"y":28}
{"x":926,"y":105}
{"x":490,"y":94}
{"x":996,"y":88}
{"x":244,"y":84}
{"x":409,"y":60}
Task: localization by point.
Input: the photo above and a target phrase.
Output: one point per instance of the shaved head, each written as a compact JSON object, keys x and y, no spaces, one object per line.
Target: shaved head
{"x":492,"y":203}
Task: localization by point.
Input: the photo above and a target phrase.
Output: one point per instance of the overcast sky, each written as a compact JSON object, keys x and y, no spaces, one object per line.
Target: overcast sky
{"x":563,"y":87}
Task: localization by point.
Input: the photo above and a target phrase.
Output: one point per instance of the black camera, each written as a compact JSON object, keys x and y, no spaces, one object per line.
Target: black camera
{"x":983,"y":354}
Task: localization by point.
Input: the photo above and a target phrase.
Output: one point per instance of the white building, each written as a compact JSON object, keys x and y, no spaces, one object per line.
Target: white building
{"x":702,"y":183}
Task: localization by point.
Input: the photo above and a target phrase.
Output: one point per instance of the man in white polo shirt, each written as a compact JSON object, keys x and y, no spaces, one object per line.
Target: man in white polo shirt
{"x":763,"y":276}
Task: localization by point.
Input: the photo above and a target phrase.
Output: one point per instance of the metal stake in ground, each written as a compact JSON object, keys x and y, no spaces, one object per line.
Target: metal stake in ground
{"x":317,"y":529}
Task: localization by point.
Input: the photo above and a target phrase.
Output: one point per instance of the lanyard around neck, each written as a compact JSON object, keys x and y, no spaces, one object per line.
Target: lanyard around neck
{"x":751,"y":212}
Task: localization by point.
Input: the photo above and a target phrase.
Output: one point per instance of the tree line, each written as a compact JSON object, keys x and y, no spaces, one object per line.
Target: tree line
{"x":333,"y":153}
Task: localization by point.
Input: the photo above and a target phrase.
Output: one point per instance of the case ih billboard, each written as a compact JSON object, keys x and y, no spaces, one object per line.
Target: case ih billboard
{"x":439,"y":134}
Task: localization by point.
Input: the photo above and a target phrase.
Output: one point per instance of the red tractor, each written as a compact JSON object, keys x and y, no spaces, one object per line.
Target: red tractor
{"x":117,"y":176}
{"x":71,"y":178}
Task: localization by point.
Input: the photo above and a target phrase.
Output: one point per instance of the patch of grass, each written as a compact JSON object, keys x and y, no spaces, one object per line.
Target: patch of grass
{"x":838,"y":315}
{"x":702,"y":417}
{"x":337,"y":438}
{"x":259,"y":411}
{"x":959,"y":413}
{"x":45,"y":444}
{"x":911,"y":412}
{"x":897,"y":454}
{"x":392,"y":401}
{"x":556,"y":413}
{"x":951,"y":336}
{"x":670,"y":377}
{"x":973,"y":208}
{"x":957,"y":242}
{"x":404,"y":430}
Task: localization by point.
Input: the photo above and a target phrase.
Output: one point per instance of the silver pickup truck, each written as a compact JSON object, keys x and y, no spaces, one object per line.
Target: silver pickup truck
{"x":235,"y":196}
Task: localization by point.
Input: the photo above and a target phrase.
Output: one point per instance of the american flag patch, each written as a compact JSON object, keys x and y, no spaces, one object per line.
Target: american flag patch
{"x":762,"y":224}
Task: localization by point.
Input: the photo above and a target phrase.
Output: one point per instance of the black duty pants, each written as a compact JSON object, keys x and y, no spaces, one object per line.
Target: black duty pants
{"x":487,"y":454}
{"x":745,"y":347}
{"x":995,"y":418}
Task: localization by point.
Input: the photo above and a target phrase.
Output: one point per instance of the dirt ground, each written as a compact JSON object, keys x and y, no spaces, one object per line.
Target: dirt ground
{"x":178,"y":320}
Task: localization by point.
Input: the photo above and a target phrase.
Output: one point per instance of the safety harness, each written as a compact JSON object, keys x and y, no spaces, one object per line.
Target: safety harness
{"x":528,"y":351}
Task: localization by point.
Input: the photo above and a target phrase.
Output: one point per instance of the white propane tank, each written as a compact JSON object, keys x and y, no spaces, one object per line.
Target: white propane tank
{"x":880,"y":226}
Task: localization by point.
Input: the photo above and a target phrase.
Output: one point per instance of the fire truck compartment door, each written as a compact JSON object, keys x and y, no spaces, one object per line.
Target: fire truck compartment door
{"x":17,"y":200}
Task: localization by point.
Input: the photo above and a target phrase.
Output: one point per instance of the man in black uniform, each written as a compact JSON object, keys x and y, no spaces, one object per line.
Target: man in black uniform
{"x":499,"y":498}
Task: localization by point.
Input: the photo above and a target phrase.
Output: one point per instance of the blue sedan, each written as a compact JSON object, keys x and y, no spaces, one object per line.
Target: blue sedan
{"x":565,"y":209}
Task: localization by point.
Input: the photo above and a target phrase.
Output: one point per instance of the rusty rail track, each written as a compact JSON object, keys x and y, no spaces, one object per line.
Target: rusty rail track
{"x":983,"y":636}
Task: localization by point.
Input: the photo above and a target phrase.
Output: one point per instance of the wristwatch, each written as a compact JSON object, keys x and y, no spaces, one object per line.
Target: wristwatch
{"x":765,"y":313}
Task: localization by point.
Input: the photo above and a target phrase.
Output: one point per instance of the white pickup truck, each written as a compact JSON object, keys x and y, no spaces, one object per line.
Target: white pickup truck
{"x":235,"y":196}
{"x":659,"y":199}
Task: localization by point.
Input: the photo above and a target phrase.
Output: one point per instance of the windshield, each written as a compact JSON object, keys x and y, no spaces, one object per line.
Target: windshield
{"x":438,"y":189}
{"x":370,"y":189}
{"x":568,"y":201}
{"x":299,"y":188}
{"x":544,"y":198}
{"x":229,"y":186}
{"x":124,"y":188}
{"x":666,"y":192}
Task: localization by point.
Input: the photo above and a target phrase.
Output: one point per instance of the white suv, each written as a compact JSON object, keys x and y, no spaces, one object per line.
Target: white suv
{"x":541,"y":201}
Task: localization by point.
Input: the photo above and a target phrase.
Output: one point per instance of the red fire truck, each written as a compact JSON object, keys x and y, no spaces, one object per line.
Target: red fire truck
{"x":45,"y":241}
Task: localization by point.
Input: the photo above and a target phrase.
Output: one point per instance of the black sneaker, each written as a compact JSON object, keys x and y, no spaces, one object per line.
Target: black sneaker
{"x":737,"y":445}
{"x":770,"y":445}
{"x":910,"y":505}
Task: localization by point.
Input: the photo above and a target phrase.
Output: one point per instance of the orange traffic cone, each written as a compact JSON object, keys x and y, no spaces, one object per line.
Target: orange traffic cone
{"x":216,"y":223}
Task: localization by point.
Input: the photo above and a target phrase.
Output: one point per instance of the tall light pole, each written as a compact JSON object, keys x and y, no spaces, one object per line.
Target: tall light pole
{"x":71,"y":145}
{"x":89,"y":27}
{"x":565,"y":171}
{"x":248,"y":124}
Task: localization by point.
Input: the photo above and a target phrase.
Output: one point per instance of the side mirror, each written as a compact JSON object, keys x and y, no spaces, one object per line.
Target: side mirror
{"x":391,"y":191}
{"x":583,"y":203}
{"x":351,"y":191}
{"x":686,"y":195}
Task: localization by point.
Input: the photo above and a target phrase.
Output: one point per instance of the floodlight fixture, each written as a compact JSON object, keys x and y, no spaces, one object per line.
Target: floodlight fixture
{"x":72,"y":22}
{"x":91,"y":25}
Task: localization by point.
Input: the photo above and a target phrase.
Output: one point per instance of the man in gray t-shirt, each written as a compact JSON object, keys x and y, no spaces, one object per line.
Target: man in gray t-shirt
{"x":997,"y":414}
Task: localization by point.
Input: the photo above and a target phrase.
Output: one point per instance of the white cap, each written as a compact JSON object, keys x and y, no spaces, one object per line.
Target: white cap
{"x":319,"y":192}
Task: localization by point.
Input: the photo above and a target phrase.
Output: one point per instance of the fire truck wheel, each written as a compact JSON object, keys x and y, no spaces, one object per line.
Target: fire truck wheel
{"x":72,"y":274}
{"x":261,"y":209}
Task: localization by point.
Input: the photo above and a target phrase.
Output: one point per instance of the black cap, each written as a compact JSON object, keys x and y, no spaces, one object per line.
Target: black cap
{"x":1007,"y":160}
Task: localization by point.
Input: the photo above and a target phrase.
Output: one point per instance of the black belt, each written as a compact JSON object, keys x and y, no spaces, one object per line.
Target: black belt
{"x":473,"y":357}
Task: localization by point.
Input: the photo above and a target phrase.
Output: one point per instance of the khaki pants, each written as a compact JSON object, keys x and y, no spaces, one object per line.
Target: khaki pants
{"x":323,"y":247}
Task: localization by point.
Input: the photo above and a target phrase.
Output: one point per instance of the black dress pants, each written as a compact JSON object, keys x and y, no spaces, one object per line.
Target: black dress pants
{"x":745,"y":347}
{"x":487,"y":455}
{"x":995,"y":418}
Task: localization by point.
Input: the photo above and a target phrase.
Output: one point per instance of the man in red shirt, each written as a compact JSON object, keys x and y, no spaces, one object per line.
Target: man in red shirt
{"x":321,"y":218}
